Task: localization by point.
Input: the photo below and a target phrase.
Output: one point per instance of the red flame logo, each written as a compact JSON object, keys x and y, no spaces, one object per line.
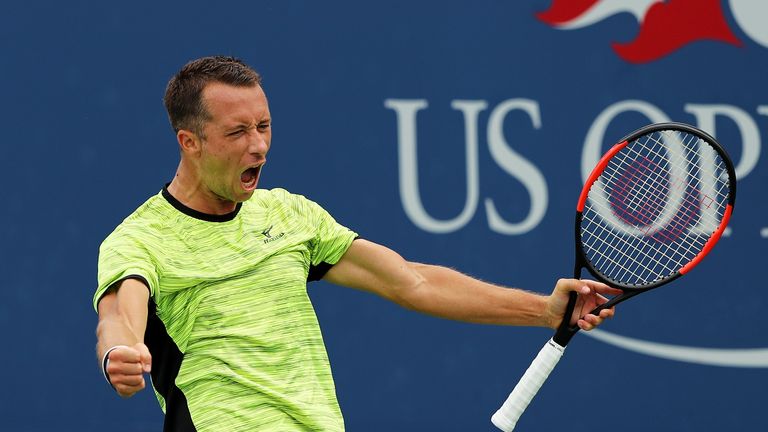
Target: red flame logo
{"x":664,"y":26}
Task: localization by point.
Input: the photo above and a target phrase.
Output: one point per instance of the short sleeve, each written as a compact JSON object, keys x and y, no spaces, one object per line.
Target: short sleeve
{"x":123,"y":256}
{"x":331,"y":239}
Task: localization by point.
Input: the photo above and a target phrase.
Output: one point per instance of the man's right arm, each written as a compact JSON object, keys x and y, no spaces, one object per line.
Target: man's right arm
{"x":122,"y":320}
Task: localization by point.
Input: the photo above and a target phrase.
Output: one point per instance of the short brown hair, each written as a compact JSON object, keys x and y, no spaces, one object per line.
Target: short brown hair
{"x":184,"y":94}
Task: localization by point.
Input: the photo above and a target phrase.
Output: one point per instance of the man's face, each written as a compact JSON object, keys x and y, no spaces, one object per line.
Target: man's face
{"x":237,"y":139}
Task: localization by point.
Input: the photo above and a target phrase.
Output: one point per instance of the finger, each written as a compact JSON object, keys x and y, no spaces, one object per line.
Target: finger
{"x":129,"y":390}
{"x":145,"y":356}
{"x":607,"y":313}
{"x":130,"y":380}
{"x":600,"y":299}
{"x":122,"y":368}
{"x":593,"y":319}
{"x":565,"y":286}
{"x":125,"y":354}
{"x":585,"y":325}
{"x":601,"y":288}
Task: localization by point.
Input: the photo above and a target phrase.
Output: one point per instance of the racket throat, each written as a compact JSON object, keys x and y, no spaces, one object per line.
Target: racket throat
{"x":566,"y":331}
{"x":615,"y":300}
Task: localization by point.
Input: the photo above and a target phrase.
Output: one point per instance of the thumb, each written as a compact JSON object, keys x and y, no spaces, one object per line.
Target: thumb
{"x":146,"y":357}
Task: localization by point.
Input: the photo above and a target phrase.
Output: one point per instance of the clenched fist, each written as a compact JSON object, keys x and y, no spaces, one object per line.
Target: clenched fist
{"x":126,"y":367}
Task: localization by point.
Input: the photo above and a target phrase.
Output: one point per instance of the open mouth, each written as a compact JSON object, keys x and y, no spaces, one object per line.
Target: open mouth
{"x":250,"y":177}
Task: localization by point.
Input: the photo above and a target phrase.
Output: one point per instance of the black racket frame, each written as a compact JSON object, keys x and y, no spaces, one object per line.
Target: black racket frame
{"x":566,"y":331}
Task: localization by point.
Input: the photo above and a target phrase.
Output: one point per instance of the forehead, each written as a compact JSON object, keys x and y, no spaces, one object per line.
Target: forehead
{"x":226,"y":103}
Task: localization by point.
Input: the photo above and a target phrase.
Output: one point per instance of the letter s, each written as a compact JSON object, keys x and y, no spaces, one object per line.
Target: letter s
{"x":516,"y":166}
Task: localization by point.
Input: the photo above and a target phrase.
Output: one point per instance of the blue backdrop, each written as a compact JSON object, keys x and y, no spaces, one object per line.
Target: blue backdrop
{"x":496,"y":107}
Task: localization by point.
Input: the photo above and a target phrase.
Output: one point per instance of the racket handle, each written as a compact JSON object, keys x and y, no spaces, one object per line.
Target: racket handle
{"x":507,"y":416}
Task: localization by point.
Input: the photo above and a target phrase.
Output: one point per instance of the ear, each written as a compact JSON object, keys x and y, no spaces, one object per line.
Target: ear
{"x":189,"y":142}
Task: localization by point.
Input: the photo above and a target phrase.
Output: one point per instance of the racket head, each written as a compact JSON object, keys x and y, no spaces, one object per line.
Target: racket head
{"x":654,"y":206}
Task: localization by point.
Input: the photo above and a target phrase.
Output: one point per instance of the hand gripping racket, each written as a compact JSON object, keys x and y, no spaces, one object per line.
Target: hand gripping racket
{"x":653,"y":207}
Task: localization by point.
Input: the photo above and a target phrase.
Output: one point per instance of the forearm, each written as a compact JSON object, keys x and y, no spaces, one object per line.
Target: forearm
{"x":122,"y":316}
{"x":436,"y":290}
{"x":113,"y":331}
{"x":449,"y":294}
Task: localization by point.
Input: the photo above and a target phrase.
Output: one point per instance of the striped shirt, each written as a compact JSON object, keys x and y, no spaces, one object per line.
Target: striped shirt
{"x":235,"y":342}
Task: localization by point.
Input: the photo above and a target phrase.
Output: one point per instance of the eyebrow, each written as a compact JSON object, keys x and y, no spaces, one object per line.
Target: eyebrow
{"x":242,"y":125}
{"x":235,"y":124}
{"x":234,"y":128}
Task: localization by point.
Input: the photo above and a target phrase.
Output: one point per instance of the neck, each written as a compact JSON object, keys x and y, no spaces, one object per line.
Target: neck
{"x":188,"y":188}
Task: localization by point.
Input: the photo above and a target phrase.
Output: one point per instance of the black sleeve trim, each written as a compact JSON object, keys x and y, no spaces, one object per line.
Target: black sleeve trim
{"x":139,"y":278}
{"x":317,"y":272}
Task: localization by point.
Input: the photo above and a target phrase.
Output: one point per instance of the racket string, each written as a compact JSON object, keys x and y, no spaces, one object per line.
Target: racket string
{"x":692,"y":206}
{"x":688,"y":201}
{"x":654,"y":208}
{"x":678,"y":227}
{"x":660,"y":186}
{"x":623,"y":252}
{"x":630,"y":262}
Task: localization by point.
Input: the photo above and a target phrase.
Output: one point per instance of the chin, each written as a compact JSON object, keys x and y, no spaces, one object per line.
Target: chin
{"x":244,"y":194}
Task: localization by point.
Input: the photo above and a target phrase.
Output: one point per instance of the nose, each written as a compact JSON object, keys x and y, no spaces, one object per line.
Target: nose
{"x":259,"y":142}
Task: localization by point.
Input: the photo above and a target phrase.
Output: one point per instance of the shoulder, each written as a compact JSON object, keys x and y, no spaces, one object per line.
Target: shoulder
{"x":281,"y":204}
{"x":276,"y":195}
{"x":142,"y":223}
{"x":279,"y":197}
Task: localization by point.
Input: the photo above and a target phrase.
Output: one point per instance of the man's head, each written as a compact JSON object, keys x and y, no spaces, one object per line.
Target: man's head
{"x":223,"y":127}
{"x":184,"y":93}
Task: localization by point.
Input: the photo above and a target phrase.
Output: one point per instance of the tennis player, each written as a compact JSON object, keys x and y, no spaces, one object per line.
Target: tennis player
{"x":204,"y":285}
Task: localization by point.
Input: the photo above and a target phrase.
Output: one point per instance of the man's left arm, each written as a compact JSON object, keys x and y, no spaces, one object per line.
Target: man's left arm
{"x":446,"y":293}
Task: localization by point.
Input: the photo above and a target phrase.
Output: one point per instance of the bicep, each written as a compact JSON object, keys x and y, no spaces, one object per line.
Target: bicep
{"x":375,"y":268}
{"x":128,"y":302}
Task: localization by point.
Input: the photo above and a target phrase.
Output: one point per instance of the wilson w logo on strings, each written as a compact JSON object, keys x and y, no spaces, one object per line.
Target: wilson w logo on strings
{"x":663,"y":196}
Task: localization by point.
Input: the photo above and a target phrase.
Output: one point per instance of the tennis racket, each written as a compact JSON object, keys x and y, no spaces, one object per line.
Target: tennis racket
{"x":652,"y":208}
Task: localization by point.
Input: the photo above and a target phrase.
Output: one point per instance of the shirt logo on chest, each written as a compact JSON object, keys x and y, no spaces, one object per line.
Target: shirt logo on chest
{"x":267,"y":233}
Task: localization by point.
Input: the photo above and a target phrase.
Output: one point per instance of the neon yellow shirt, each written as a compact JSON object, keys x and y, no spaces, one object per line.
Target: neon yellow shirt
{"x":235,"y":341}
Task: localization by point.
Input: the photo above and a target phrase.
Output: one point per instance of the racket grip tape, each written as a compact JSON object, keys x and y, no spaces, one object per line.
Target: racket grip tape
{"x":507,"y":416}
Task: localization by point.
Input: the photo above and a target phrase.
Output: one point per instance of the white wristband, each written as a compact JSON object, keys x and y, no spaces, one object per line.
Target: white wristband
{"x":105,"y":362}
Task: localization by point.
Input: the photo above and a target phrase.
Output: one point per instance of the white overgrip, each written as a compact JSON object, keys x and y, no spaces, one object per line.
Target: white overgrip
{"x":506,"y":417}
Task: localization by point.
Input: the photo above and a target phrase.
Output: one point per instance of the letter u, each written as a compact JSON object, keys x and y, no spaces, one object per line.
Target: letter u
{"x":408,"y":167}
